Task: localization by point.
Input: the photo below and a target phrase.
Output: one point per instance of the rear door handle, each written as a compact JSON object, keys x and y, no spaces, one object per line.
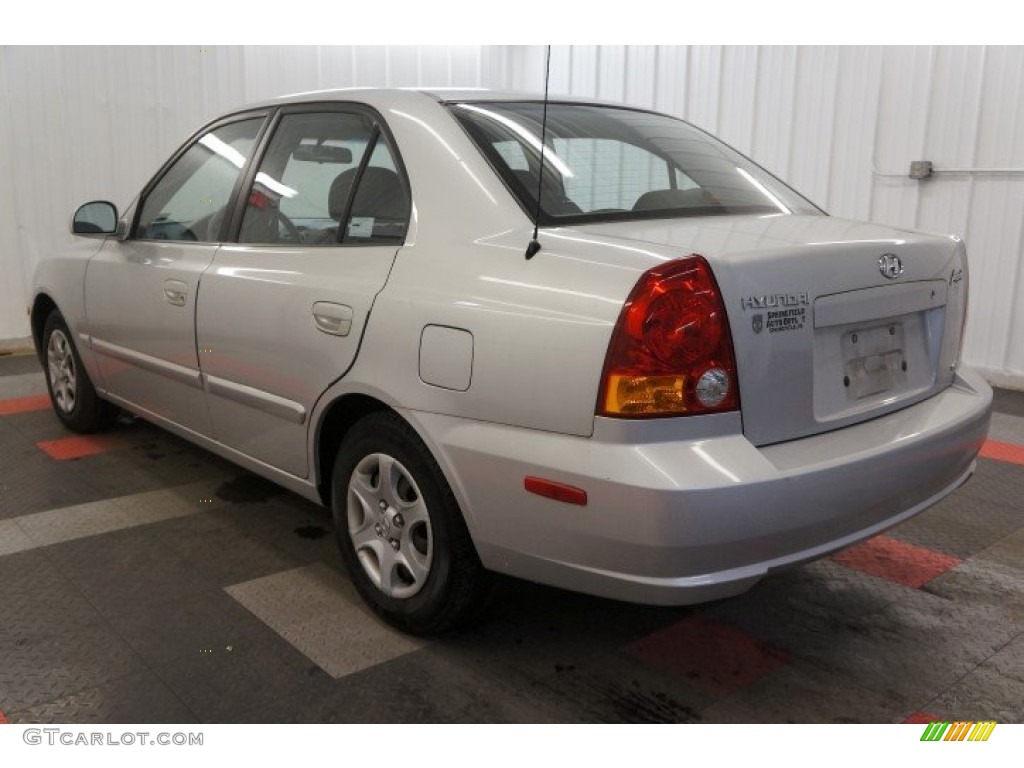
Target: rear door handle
{"x":335,"y":319}
{"x":175,"y":292}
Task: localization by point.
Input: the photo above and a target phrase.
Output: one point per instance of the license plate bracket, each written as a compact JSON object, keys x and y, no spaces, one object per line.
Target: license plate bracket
{"x":874,"y":362}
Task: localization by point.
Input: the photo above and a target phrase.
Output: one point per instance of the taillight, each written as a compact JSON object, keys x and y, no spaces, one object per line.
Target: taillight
{"x":671,"y":352}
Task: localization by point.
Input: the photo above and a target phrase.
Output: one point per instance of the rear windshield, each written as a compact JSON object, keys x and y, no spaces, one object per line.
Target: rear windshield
{"x":609,"y":163}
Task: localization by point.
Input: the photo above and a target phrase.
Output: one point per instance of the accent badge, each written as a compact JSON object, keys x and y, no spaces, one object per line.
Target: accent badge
{"x":890,"y":266}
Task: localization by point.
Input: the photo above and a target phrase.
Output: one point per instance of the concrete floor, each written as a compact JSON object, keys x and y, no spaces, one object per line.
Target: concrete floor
{"x":145,"y":580}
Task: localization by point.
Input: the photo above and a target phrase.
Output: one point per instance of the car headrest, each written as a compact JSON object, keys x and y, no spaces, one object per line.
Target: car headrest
{"x":659,"y":199}
{"x":380,"y":194}
{"x":337,"y":197}
{"x":554,"y":187}
{"x":555,"y":199}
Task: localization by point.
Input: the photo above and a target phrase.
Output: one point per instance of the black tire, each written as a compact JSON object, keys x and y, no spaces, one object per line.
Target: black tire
{"x":456,"y":586}
{"x":87,"y":412}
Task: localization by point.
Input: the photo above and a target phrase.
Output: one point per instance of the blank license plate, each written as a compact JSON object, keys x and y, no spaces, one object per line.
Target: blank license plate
{"x":874,"y":361}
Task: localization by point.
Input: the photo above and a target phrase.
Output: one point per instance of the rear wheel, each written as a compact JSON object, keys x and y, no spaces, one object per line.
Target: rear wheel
{"x":401,"y":534}
{"x":72,"y":394}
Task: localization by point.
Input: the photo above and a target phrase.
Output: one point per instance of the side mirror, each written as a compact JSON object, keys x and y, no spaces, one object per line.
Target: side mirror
{"x":96,"y":218}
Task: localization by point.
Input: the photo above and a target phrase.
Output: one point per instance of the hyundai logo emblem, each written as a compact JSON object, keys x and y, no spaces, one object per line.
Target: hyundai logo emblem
{"x":890,"y":266}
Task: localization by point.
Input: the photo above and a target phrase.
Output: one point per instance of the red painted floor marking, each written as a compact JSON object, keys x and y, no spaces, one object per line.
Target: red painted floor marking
{"x":24,"y":404}
{"x":898,"y":561}
{"x":993,"y":449}
{"x":78,"y":446}
{"x":3,"y":718}
{"x":712,"y":657}
{"x":922,"y":718}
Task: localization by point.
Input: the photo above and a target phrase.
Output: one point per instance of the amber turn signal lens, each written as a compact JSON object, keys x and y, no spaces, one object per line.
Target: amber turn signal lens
{"x":634,"y":395}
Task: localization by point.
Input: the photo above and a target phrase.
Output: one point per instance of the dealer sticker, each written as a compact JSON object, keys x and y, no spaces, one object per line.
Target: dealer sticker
{"x":781,"y":320}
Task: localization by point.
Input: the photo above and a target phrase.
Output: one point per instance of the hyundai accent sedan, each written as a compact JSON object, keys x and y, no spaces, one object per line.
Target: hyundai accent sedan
{"x":699,"y":377}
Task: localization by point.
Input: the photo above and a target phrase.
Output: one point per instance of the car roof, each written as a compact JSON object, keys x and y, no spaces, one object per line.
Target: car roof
{"x":387,"y":96}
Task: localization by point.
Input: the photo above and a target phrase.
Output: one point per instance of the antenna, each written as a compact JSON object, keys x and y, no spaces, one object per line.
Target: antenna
{"x":534,"y":245}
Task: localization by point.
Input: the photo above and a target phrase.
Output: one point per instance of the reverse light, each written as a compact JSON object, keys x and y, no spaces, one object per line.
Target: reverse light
{"x":671,"y":352}
{"x":713,"y":387}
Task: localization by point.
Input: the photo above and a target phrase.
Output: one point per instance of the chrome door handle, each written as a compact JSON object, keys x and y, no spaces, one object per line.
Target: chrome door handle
{"x":175,"y":292}
{"x":335,"y":319}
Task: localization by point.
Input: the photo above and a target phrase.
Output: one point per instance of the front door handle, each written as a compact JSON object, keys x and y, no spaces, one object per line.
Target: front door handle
{"x":175,"y":292}
{"x":335,"y":319}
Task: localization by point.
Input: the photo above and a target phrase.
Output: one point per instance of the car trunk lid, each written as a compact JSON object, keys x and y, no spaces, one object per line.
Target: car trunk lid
{"x":833,"y":322}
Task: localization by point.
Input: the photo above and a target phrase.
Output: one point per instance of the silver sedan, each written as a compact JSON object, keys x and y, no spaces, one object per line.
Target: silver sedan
{"x":598,"y":349}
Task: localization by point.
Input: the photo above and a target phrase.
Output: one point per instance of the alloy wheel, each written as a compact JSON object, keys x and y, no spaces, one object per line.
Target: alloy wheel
{"x":63,"y":377}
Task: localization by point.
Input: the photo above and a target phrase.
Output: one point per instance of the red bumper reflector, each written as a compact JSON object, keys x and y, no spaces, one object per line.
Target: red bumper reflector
{"x":556,"y":491}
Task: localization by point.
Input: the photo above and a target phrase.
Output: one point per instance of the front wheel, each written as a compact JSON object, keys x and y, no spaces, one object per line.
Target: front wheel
{"x":72,"y":394}
{"x":401,"y":534}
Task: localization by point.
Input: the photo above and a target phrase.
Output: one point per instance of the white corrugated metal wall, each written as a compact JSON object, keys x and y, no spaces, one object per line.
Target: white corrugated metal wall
{"x":841,"y":124}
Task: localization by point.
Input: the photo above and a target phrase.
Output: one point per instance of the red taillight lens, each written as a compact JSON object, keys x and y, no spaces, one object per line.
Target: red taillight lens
{"x":671,"y":351}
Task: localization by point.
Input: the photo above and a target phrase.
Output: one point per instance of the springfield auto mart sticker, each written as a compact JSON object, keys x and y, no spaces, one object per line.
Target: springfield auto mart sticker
{"x":783,"y":312}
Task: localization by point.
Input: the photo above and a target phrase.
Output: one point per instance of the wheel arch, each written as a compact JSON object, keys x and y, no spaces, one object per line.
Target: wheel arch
{"x":337,"y":419}
{"x":42,"y":306}
{"x":341,"y":413}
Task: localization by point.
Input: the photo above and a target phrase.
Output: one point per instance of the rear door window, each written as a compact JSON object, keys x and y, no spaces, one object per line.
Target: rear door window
{"x":326,"y":179}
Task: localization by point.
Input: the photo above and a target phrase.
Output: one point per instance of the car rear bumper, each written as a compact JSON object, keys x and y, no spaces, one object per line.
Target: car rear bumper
{"x":681,"y":521}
